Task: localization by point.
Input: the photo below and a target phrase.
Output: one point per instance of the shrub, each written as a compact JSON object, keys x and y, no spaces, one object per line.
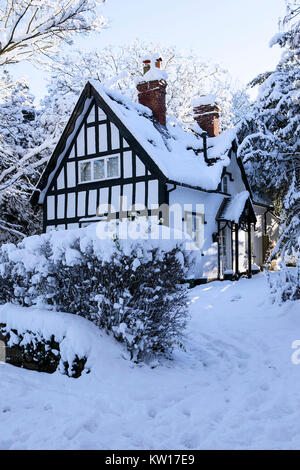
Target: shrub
{"x":33,"y":351}
{"x":131,"y":288}
{"x":285,"y":284}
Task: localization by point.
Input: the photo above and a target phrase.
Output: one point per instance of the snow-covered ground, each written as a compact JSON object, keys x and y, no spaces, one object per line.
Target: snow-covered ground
{"x":234,"y":387}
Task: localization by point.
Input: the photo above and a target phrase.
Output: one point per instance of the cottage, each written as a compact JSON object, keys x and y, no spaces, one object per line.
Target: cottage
{"x":117,"y":157}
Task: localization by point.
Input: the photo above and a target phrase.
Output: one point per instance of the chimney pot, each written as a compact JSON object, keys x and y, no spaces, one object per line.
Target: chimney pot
{"x":158,"y":62}
{"x":147,"y":65}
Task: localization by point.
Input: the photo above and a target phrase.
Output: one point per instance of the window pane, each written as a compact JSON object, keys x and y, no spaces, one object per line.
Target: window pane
{"x":194,"y":223}
{"x":225,"y":186}
{"x":112,"y":167}
{"x":189,"y":224}
{"x":199,"y":234}
{"x":99,"y":173}
{"x":85,"y":171}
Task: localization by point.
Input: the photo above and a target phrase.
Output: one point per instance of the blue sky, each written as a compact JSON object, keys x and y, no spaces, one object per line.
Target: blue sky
{"x":234,"y":33}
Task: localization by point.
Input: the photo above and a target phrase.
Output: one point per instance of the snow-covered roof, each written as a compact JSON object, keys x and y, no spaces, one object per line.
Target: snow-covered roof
{"x":177,"y":150}
{"x":236,"y":206}
{"x":232,"y":208}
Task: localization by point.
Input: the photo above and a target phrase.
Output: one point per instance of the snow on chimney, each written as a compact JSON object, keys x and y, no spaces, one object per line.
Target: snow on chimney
{"x":152,"y":88}
{"x":206,"y":114}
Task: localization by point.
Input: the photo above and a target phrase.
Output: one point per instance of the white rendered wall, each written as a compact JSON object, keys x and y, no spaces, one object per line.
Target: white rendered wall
{"x":207,"y":259}
{"x":237,"y":185}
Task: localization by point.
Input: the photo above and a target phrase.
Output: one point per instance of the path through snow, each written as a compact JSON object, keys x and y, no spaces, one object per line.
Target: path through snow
{"x":234,"y":387}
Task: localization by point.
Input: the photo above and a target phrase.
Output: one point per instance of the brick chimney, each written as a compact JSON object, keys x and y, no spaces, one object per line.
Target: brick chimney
{"x":152,"y":89}
{"x":206,"y":114}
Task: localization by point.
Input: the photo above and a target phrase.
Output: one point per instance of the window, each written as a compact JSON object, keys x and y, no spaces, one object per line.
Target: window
{"x":112,"y":167}
{"x":194,"y":226}
{"x":225,"y":184}
{"x":99,"y":169}
{"x":85,"y":171}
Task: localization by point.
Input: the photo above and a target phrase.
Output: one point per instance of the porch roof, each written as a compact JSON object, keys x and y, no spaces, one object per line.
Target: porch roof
{"x":236,"y":208}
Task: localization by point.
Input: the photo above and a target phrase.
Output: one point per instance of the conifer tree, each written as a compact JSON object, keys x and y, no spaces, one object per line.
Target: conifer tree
{"x":269,"y":136}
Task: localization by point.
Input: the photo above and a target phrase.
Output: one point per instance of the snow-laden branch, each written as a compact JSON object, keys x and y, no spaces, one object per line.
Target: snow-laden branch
{"x":20,"y":164}
{"x":119,"y":66}
{"x":30,"y":26}
{"x":7,"y":228}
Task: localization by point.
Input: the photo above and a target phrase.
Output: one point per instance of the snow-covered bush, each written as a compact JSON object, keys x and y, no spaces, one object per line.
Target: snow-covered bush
{"x":284,"y":284}
{"x":131,"y":287}
{"x":47,"y":341}
{"x":32,"y":351}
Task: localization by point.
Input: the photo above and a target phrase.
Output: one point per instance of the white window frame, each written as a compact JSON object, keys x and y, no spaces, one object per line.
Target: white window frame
{"x":95,"y":159}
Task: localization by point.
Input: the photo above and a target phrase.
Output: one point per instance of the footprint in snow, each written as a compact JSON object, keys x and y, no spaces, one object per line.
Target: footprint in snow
{"x":91,"y":426}
{"x":264,"y":387}
{"x":186,"y":412}
{"x":47,"y":407}
{"x":190,"y":440}
{"x":152,"y":413}
{"x":6,"y":444}
{"x":235,"y":298}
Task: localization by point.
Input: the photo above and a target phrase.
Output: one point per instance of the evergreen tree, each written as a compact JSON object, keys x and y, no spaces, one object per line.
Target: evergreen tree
{"x":269,"y":135}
